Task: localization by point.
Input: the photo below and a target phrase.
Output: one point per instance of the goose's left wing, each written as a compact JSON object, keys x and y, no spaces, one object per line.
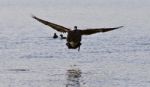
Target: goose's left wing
{"x":97,"y":30}
{"x":52,"y":25}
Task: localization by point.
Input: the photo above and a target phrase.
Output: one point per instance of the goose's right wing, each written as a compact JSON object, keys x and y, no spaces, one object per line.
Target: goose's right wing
{"x":97,"y":30}
{"x":52,"y":25}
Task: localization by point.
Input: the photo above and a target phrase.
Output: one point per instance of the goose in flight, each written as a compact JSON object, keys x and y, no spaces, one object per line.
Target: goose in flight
{"x":74,"y":37}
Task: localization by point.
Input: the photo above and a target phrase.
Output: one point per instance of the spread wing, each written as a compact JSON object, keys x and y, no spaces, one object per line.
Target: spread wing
{"x":52,"y":25}
{"x":97,"y":30}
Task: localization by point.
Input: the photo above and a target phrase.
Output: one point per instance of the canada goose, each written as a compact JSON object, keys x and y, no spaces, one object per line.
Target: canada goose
{"x":74,"y":36}
{"x":55,"y":36}
{"x":62,"y":37}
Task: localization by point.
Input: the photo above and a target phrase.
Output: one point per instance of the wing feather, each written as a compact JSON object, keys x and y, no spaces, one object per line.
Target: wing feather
{"x":52,"y":25}
{"x":97,"y":30}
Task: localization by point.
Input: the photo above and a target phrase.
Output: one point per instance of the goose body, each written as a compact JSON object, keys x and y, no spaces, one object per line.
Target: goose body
{"x":74,"y":37}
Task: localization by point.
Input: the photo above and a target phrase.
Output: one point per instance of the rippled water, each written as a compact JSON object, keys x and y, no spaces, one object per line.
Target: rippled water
{"x":30,"y":57}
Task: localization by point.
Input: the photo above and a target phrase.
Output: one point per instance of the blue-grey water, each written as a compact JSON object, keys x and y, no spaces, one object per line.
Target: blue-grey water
{"x":30,"y":57}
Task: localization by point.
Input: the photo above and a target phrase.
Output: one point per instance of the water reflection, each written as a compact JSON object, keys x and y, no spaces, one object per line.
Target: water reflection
{"x":73,"y":77}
